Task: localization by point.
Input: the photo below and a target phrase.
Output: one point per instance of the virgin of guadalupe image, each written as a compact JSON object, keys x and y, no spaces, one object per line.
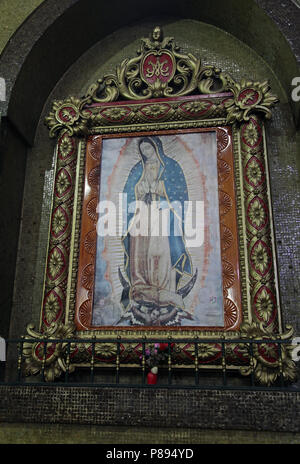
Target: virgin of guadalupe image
{"x":154,"y":264}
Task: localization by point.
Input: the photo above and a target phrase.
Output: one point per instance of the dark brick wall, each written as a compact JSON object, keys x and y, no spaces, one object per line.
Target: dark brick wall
{"x":203,"y":409}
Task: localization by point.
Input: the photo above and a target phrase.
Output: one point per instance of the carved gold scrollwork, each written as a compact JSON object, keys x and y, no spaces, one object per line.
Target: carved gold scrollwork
{"x":159,"y":70}
{"x":49,"y":359}
{"x":248,"y":97}
{"x":70,"y":116}
{"x":269,"y":361}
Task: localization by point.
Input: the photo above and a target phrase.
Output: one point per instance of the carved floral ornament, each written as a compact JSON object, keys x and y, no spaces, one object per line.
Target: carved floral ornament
{"x":161,"y":72}
{"x":54,"y":359}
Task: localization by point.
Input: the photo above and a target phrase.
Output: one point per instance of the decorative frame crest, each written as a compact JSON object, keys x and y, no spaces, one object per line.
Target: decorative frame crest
{"x":163,"y":89}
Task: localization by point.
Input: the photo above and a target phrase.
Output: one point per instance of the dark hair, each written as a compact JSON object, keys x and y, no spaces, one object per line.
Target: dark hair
{"x":146,"y":140}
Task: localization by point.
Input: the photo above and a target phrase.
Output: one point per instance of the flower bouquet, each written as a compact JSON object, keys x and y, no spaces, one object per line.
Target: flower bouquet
{"x":158,"y":354}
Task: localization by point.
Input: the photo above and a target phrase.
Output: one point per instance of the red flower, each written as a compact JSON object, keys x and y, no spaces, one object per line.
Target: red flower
{"x":163,"y":346}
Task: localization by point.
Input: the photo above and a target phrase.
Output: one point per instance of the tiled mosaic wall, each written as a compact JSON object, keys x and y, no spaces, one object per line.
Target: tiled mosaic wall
{"x":206,"y":409}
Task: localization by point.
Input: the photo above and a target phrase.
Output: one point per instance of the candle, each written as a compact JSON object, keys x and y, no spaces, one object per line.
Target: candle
{"x":152,"y":376}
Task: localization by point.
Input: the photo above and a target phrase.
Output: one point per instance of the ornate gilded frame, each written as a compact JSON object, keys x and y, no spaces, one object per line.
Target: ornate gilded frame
{"x":178,"y":93}
{"x":227,"y":221}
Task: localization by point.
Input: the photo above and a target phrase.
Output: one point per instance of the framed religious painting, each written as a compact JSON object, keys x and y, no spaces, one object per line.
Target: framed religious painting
{"x":159,"y":228}
{"x":161,"y":225}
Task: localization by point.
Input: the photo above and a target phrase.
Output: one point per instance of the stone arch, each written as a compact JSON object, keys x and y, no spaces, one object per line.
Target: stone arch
{"x":66,"y":29}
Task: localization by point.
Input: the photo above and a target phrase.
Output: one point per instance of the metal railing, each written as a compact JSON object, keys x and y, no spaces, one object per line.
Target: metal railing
{"x":201,"y":374}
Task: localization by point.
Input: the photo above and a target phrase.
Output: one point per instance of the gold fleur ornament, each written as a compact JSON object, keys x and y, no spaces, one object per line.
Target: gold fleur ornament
{"x":264,"y":305}
{"x":260,"y":257}
{"x":115,"y":113}
{"x":51,"y":359}
{"x":66,"y":146}
{"x":254,"y":172}
{"x":106,"y":351}
{"x":196,"y":107}
{"x":206,"y":351}
{"x":155,"y":110}
{"x":248,"y":97}
{"x":59,"y":222}
{"x":257,"y":213}
{"x":251,"y":134}
{"x":267,"y":364}
{"x":55,"y":262}
{"x":68,"y":115}
{"x":52,"y":306}
{"x":56,"y":269}
{"x":62,"y":183}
